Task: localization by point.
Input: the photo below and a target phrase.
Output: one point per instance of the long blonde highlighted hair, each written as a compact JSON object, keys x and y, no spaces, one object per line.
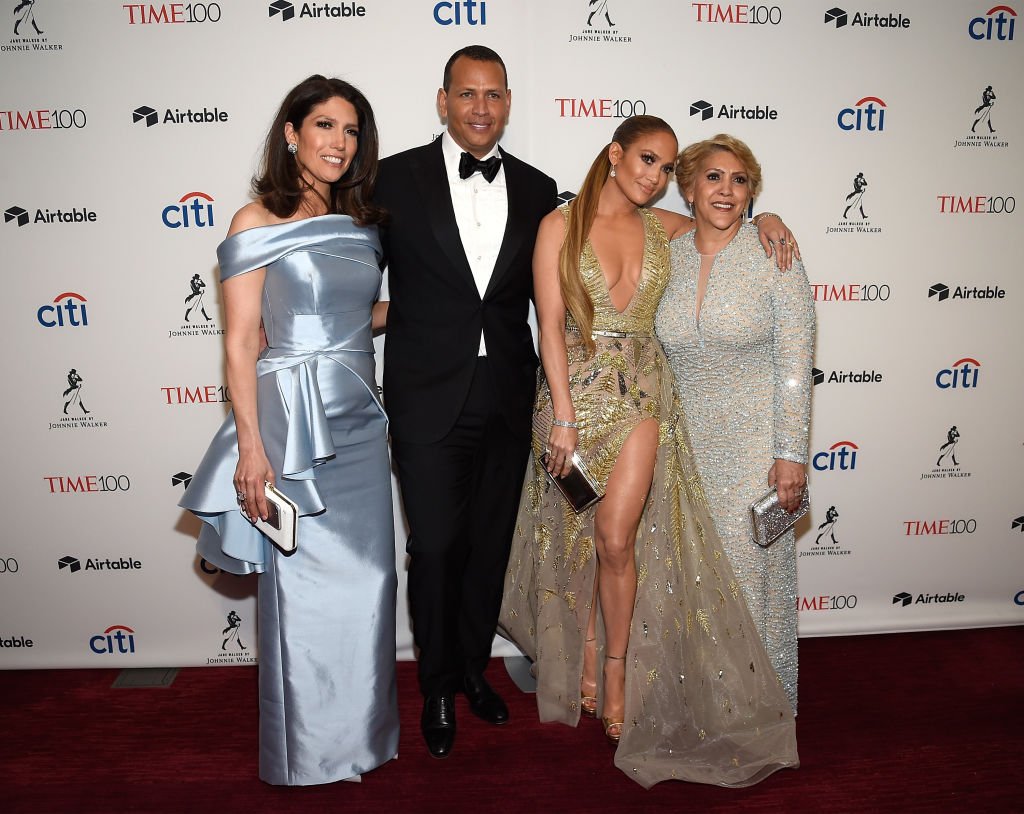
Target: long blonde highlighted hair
{"x":582,"y":211}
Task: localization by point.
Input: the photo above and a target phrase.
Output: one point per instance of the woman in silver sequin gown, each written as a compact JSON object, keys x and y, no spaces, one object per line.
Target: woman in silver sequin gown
{"x":739,"y":336}
{"x":687,"y":690}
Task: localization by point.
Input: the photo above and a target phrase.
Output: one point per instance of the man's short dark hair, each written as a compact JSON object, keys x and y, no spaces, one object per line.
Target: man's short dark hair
{"x":481,"y":53}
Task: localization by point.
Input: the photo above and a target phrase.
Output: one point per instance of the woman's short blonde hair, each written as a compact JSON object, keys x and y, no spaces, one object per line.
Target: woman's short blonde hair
{"x":692,"y":157}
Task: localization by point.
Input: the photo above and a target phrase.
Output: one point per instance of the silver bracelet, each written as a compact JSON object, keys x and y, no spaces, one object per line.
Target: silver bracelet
{"x":760,"y":216}
{"x":572,"y":425}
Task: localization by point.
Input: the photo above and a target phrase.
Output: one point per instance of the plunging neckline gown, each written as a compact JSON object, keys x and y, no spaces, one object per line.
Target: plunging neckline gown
{"x":702,"y":701}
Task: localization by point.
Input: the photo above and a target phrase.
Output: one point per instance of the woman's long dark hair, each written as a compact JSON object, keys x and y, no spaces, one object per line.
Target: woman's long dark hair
{"x":279,"y":184}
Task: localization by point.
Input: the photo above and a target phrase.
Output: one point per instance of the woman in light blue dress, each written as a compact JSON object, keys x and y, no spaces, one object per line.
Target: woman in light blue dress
{"x":302,"y":260}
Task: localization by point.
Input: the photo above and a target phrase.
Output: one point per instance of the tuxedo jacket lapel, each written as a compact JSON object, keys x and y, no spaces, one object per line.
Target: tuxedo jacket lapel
{"x":515,"y":231}
{"x":432,"y":179}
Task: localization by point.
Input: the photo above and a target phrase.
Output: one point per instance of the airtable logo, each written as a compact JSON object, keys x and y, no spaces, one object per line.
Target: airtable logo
{"x":706,"y":111}
{"x":997,"y":24}
{"x":904,"y":599}
{"x":867,"y":114}
{"x":841,"y":19}
{"x":21,"y":216}
{"x":320,"y":11}
{"x":178,"y":116}
{"x":193,"y":209}
{"x":819,"y":376}
{"x":942,"y":292}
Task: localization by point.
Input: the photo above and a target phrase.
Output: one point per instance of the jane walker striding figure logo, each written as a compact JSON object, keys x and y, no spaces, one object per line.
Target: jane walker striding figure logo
{"x":949,"y":448}
{"x":829,"y":526}
{"x":230,"y":633}
{"x":25,"y":12}
{"x":74,"y":391}
{"x":983,"y":113}
{"x":599,"y":7}
{"x":197,"y":284}
{"x":856,"y":198}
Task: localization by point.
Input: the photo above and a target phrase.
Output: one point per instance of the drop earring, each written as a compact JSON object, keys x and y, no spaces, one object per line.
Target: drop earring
{"x":612,"y":173}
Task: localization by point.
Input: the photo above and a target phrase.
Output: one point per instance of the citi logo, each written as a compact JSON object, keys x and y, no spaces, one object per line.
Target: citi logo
{"x":842,"y":455}
{"x":115,"y":640}
{"x":976,"y":204}
{"x":573,"y":108}
{"x":72,"y":484}
{"x":904,"y":599}
{"x":201,"y":394}
{"x":183,"y":478}
{"x":73,"y":564}
{"x":20,"y":216}
{"x":470,"y":12}
{"x":1018,"y":599}
{"x":45,"y":119}
{"x":840,"y":19}
{"x":67,"y":311}
{"x":943,"y":292}
{"x":867,"y":114}
{"x":194,"y":209}
{"x":928,"y":528}
{"x":819,"y":376}
{"x":1018,"y":524}
{"x":178,"y":116}
{"x":961,"y":375}
{"x":706,"y":110}
{"x":850,"y":292}
{"x":737,"y":14}
{"x":171,"y":13}
{"x":286,"y":10}
{"x":997,"y":24}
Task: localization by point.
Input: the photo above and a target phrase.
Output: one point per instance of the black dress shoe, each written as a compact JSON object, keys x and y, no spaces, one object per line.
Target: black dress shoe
{"x":484,"y":702}
{"x":438,"y":724}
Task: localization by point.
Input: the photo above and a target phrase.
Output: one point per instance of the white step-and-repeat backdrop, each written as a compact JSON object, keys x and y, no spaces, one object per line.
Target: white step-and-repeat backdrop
{"x":892,"y":139}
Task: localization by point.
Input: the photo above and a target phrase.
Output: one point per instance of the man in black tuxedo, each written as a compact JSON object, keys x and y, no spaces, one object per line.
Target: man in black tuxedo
{"x":459,"y":375}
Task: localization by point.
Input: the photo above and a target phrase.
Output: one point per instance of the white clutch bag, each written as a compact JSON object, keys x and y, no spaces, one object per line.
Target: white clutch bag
{"x":281,"y":524}
{"x":770,"y":520}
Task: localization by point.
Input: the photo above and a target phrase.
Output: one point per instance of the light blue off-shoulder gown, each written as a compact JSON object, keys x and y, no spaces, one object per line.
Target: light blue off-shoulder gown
{"x":328,"y":705}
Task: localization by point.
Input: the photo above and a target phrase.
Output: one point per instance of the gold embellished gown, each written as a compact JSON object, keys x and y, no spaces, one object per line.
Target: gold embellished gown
{"x":702,"y":700}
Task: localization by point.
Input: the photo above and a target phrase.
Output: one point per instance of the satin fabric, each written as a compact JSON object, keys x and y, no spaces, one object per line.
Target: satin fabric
{"x":328,"y":705}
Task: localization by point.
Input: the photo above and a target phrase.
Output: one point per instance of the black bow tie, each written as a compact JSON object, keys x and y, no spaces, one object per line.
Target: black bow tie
{"x":488,"y":169}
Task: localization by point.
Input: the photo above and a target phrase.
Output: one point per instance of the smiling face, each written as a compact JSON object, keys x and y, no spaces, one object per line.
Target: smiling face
{"x":720,"y":191}
{"x":643,"y":168}
{"x":476,"y":104}
{"x":327,"y":141}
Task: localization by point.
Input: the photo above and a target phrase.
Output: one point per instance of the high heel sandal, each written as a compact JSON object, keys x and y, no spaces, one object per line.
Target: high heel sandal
{"x":613,"y":728}
{"x":588,"y":703}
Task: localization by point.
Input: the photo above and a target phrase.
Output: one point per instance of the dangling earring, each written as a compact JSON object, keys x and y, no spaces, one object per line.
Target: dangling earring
{"x":293,"y":148}
{"x":612,"y":173}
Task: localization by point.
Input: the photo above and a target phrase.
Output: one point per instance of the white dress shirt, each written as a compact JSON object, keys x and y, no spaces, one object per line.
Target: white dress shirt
{"x":481,"y":210}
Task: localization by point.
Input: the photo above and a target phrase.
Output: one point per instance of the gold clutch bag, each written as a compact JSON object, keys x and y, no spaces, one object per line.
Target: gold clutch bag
{"x":580,"y":488}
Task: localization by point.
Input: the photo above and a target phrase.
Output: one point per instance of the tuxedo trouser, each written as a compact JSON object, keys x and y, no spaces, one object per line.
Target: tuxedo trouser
{"x":460,"y":495}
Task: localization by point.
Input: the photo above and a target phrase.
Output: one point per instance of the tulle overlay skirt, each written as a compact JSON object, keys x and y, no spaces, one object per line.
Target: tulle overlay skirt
{"x":702,"y":700}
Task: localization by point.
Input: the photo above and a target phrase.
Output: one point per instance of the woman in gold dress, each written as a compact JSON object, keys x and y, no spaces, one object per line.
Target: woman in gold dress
{"x":686,"y":690}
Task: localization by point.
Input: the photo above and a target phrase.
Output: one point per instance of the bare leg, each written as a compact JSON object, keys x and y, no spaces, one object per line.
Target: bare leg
{"x":615,"y":527}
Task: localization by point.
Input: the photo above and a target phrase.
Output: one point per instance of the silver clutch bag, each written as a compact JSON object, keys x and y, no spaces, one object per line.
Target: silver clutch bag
{"x":770,"y":520}
{"x":579,"y":487}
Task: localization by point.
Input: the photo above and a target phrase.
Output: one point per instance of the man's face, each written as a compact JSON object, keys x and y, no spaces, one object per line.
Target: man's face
{"x":476,"y":105}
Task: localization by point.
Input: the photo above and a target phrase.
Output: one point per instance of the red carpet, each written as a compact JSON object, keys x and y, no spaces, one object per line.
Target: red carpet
{"x":924,"y":722}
